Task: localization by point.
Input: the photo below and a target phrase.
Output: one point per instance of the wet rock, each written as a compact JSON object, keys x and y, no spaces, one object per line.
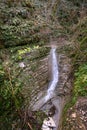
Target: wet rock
{"x":47,"y":128}
{"x":52,"y":111}
{"x":48,"y":124}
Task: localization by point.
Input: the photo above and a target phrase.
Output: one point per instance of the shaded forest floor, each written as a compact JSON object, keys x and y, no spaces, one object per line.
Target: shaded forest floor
{"x":76,"y":116}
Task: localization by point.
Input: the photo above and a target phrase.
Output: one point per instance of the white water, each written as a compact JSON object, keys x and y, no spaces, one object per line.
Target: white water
{"x":55,"y":75}
{"x":52,"y":84}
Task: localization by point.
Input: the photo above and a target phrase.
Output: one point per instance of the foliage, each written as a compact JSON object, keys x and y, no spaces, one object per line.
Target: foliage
{"x":14,"y":79}
{"x":66,"y":19}
{"x":80,"y":87}
{"x":77,"y":50}
{"x":21,"y":24}
{"x":39,"y":115}
{"x":18,"y":26}
{"x":9,"y":90}
{"x":67,"y":14}
{"x":78,"y":2}
{"x":10,"y":93}
{"x":18,"y":35}
{"x":80,"y":84}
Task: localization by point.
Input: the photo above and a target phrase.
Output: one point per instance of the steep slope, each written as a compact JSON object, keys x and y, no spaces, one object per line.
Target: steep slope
{"x":27,"y":31}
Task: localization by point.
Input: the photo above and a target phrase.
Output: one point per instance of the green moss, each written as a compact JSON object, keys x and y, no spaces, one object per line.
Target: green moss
{"x":80,"y":84}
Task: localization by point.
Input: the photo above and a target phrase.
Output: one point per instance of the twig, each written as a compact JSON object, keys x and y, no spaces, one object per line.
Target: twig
{"x":30,"y":126}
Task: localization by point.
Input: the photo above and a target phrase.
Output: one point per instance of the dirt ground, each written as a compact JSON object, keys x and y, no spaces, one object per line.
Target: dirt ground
{"x":76,"y":118}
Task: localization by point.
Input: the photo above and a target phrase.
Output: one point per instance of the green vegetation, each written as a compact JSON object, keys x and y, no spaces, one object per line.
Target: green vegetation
{"x":14,"y":80}
{"x":79,"y":46}
{"x":80,"y":89}
{"x":78,"y":2}
{"x":77,"y":50}
{"x":78,"y":53}
{"x":10,"y":95}
{"x":20,"y":24}
{"x":9,"y":90}
{"x":24,"y":30}
{"x":65,"y":17}
{"x":80,"y":85}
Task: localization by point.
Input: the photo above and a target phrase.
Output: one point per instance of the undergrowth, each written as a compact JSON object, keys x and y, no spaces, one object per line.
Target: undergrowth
{"x":77,"y":51}
{"x":11,"y":98}
{"x":80,"y":85}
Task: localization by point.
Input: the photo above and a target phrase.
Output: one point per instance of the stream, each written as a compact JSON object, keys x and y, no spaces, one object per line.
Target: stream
{"x":52,"y":99}
{"x":50,"y":96}
{"x":55,"y":75}
{"x":53,"y":83}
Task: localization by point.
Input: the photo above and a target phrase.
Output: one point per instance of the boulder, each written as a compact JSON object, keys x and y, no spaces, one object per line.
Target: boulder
{"x":48,"y":124}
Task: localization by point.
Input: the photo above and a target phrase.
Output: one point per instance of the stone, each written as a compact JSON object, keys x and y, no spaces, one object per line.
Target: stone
{"x":47,"y":128}
{"x":49,"y":122}
{"x":73,"y":115}
{"x":22,"y":65}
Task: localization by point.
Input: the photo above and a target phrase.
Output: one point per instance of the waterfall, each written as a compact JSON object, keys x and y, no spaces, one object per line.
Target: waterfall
{"x":55,"y":75}
{"x":53,"y":83}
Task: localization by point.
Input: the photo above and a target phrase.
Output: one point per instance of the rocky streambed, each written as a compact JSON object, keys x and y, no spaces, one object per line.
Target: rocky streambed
{"x":52,"y":98}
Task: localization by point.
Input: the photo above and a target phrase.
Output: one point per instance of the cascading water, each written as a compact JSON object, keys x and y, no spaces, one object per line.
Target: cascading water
{"x":55,"y":75}
{"x":52,"y":84}
{"x":50,"y":91}
{"x":57,"y":102}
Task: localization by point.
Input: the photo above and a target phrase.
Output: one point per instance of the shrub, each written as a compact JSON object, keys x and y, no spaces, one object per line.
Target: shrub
{"x":80,"y":84}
